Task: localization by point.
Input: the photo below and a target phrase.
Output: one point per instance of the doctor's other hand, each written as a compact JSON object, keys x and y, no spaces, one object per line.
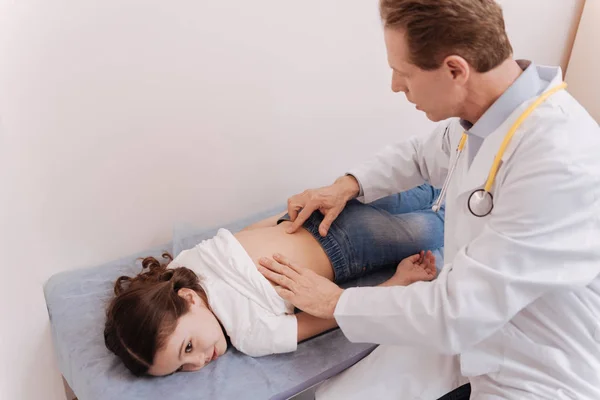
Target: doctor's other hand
{"x":329,"y":200}
{"x":418,"y":267}
{"x":305,"y":289}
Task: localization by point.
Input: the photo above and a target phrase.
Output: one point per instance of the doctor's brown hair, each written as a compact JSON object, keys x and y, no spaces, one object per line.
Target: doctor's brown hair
{"x":145,"y":310}
{"x":436,"y":29}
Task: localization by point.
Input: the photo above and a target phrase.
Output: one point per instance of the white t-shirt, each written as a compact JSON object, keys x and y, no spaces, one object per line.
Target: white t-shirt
{"x":258,"y":321}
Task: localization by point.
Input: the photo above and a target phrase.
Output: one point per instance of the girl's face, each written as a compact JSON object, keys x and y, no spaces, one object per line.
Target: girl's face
{"x":197,"y":340}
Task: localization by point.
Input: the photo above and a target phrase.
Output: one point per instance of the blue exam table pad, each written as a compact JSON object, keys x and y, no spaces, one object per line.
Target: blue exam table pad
{"x":77,"y":300}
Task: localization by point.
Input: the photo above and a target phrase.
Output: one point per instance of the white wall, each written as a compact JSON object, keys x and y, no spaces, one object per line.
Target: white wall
{"x":119,"y":118}
{"x":543,"y":30}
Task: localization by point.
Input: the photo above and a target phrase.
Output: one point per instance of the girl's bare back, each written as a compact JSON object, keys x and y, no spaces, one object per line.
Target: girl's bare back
{"x":300,"y":247}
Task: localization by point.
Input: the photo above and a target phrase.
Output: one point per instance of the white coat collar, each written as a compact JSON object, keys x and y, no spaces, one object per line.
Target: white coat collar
{"x":479,"y":169}
{"x":525,"y":87}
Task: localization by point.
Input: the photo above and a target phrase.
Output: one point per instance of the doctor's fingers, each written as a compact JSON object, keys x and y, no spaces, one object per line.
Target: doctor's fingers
{"x":278,"y":279}
{"x":306,"y":212}
{"x":284,"y":261}
{"x":279,"y":268}
{"x":295,"y":204}
{"x":330,"y":216}
{"x":285,"y":294}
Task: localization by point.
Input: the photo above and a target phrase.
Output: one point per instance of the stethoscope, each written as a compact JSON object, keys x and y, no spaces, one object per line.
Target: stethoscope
{"x":481,"y":201}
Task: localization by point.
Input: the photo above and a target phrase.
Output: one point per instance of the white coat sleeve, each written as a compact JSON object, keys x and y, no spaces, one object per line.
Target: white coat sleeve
{"x":406,"y":164}
{"x":542,"y":236}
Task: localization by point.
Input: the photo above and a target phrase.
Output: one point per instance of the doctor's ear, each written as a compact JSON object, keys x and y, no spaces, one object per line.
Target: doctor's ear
{"x":458,"y":68}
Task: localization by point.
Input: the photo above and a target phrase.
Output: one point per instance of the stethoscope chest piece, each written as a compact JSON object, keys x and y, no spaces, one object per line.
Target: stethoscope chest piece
{"x":480,"y":203}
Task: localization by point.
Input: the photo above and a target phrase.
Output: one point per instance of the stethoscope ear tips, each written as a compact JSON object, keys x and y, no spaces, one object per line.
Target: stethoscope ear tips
{"x":480,"y":203}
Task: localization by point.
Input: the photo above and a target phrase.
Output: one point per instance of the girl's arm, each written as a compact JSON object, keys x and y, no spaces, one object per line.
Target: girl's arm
{"x":420,"y":267}
{"x":309,"y":326}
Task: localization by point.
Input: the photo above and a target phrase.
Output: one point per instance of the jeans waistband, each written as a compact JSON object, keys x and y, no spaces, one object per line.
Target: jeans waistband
{"x":335,"y":245}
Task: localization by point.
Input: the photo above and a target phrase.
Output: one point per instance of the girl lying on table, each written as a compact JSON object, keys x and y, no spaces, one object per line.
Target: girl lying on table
{"x":176,"y":316}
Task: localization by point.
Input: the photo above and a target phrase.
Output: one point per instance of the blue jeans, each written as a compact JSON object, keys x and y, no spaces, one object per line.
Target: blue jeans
{"x":368,"y":237}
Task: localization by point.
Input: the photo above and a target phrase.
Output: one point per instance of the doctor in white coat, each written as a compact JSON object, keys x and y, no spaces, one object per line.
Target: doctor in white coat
{"x":515,"y":310}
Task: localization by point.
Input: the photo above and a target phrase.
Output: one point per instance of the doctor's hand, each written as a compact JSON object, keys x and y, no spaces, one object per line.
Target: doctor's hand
{"x":329,"y":200}
{"x":302,"y":287}
{"x":418,"y":267}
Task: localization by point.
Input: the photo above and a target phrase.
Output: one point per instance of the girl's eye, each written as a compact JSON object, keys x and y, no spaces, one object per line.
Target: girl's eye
{"x":188,"y":348}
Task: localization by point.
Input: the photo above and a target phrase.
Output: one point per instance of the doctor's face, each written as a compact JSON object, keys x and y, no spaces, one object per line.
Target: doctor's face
{"x":439,"y":93}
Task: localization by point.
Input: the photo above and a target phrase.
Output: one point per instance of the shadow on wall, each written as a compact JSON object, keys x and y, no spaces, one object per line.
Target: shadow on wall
{"x":33,"y":362}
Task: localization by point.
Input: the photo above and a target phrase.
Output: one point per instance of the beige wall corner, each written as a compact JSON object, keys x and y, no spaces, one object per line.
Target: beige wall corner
{"x":582,"y":73}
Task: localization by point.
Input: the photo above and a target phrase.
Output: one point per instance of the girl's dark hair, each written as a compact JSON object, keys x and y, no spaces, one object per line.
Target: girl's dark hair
{"x":145,"y":310}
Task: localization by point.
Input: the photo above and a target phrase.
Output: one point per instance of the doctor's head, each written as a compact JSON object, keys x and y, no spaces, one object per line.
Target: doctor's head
{"x":159,"y":321}
{"x":440,"y":50}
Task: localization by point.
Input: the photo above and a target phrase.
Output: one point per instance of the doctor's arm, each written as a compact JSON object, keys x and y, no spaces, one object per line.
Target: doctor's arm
{"x":418,"y":267}
{"x":407,"y":164}
{"x":540,"y":238}
{"x":398,"y":167}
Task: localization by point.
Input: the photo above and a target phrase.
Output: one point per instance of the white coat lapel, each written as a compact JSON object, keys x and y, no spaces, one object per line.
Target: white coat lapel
{"x":557,"y":80}
{"x":479,"y":169}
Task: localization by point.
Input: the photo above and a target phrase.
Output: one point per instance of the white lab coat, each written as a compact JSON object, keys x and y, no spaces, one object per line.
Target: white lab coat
{"x":517,"y":303}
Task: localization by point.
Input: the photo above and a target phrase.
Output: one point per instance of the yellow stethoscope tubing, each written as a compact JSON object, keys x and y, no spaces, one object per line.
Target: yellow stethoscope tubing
{"x":498,"y":158}
{"x":496,"y":164}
